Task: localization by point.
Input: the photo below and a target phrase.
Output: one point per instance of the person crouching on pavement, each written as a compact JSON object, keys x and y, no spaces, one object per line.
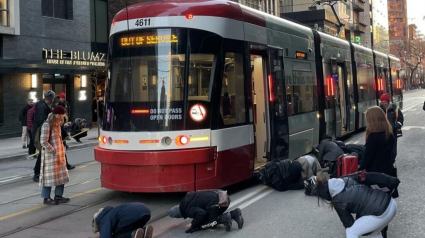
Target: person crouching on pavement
{"x":53,"y":170}
{"x":374,"y":209}
{"x":124,"y":221}
{"x":77,"y":128}
{"x":204,"y":208}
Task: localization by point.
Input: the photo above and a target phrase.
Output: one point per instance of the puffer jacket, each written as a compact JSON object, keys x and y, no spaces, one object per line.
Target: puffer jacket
{"x":195,"y":204}
{"x":356,"y":198}
{"x":328,"y":151}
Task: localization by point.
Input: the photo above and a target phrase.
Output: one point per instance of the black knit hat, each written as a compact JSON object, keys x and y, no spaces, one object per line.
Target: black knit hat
{"x":59,"y":110}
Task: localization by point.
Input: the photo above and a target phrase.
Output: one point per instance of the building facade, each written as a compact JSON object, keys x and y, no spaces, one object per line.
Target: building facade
{"x":50,"y":45}
{"x":380,"y":28}
{"x":322,"y":18}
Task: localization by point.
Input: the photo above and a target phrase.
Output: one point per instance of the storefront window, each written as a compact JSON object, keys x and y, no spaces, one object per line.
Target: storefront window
{"x":4,"y":12}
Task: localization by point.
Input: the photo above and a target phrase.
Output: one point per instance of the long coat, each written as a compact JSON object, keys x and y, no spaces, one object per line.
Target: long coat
{"x":53,"y":171}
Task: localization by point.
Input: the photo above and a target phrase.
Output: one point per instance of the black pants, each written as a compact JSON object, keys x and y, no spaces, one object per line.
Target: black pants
{"x":213,"y":215}
{"x":80,"y":135}
{"x":125,"y":231}
{"x":37,"y":165}
{"x":31,"y":148}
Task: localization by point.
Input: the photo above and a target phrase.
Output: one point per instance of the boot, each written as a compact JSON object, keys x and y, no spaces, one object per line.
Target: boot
{"x":236,"y":215}
{"x":384,"y":234}
{"x":61,"y":199}
{"x":226,"y":220}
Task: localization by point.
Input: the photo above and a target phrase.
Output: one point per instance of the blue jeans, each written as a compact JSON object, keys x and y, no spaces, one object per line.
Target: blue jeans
{"x":45,"y":191}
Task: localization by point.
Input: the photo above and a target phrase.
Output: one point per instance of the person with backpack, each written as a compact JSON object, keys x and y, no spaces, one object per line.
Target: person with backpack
{"x":207,"y":208}
{"x":53,"y":170}
{"x":123,"y":221}
{"x":42,"y":110}
{"x":374,"y":208}
{"x":395,"y":117}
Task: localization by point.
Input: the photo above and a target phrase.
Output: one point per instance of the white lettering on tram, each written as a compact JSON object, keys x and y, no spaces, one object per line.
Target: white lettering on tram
{"x":166,"y":114}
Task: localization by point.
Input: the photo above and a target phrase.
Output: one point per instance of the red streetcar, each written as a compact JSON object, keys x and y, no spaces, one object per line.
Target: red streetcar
{"x":197,"y":96}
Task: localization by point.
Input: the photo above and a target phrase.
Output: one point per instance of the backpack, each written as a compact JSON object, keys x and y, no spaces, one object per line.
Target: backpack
{"x":37,"y":141}
{"x":223,"y":198}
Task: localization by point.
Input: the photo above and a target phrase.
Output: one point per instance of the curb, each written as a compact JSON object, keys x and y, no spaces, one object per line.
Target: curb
{"x":24,"y":156}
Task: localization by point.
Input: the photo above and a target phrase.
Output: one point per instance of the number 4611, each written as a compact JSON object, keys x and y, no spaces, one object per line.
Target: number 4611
{"x":143,"y":22}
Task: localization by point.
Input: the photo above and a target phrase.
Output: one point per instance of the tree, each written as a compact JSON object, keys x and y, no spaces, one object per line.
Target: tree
{"x":412,"y":55}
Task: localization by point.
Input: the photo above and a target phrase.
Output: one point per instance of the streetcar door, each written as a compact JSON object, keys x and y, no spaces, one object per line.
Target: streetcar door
{"x":342,"y":100}
{"x":278,"y":106}
{"x":260,"y":106}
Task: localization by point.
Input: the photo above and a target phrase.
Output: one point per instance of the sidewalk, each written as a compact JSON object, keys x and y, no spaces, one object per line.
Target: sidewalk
{"x":12,"y":148}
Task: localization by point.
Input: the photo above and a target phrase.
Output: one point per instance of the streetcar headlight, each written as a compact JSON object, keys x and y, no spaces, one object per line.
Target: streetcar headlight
{"x":182,"y":140}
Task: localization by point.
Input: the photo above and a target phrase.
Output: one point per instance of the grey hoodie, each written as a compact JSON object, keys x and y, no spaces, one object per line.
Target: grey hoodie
{"x":336,"y":186}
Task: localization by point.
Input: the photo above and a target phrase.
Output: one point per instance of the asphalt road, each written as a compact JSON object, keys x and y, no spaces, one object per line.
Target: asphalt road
{"x":267,"y":213}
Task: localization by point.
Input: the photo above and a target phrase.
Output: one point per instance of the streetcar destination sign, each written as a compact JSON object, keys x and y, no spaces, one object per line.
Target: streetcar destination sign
{"x":148,"y":40}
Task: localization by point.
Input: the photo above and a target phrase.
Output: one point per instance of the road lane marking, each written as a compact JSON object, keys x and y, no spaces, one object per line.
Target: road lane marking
{"x":243,"y":198}
{"x":41,"y":206}
{"x":22,"y":212}
{"x":251,"y":201}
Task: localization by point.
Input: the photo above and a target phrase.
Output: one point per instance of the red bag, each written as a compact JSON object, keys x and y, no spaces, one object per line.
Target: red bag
{"x":347,"y":164}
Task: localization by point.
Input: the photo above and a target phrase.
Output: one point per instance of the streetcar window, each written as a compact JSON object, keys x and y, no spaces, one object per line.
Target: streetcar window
{"x":301,"y":93}
{"x":232,"y":106}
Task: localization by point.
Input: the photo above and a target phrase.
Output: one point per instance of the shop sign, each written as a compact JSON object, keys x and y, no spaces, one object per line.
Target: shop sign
{"x":74,"y":58}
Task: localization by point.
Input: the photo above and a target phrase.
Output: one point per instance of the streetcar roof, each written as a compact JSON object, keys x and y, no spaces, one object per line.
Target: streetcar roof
{"x":212,"y":8}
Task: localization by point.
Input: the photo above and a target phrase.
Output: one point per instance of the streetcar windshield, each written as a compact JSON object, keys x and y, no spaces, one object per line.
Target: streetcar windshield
{"x":154,"y":72}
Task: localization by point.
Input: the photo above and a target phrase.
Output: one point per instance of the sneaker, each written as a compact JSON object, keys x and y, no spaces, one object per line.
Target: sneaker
{"x":148,"y":231}
{"x":61,"y":199}
{"x":236,"y":215}
{"x":145,"y":232}
{"x":70,"y":167}
{"x":49,"y":201}
{"x":36,"y":178}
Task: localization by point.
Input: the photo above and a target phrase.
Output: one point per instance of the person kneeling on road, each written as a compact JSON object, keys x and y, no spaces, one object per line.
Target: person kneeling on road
{"x":374,"y":209}
{"x":207,"y":210}
{"x":124,"y":221}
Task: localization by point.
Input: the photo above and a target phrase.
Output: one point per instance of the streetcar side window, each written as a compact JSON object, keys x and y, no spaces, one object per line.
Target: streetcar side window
{"x":232,"y":106}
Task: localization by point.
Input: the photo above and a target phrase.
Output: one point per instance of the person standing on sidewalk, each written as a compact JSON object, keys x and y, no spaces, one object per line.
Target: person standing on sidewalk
{"x":42,"y":110}
{"x":23,"y":118}
{"x":53,"y":170}
{"x":30,"y":124}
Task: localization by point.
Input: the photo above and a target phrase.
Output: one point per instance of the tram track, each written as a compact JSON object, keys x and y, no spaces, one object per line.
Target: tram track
{"x":38,"y":193}
{"x":19,"y":229}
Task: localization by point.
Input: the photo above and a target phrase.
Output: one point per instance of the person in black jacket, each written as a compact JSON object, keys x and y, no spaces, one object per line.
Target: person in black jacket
{"x":23,"y":119}
{"x":395,"y":118}
{"x":379,"y":143}
{"x":328,"y":150}
{"x":203,"y":207}
{"x":374,"y":209}
{"x":124,"y":221}
{"x":42,"y":110}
